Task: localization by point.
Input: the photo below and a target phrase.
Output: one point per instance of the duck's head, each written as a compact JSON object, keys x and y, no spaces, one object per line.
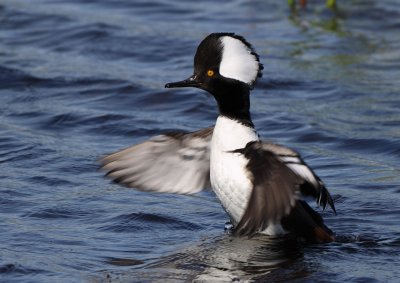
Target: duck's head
{"x":223,"y":61}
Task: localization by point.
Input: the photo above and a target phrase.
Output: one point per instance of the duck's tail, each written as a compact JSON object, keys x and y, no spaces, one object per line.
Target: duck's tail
{"x":308,"y":224}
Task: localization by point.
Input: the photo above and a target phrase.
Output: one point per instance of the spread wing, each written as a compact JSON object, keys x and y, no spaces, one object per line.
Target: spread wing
{"x":278,"y":186}
{"x":176,"y":162}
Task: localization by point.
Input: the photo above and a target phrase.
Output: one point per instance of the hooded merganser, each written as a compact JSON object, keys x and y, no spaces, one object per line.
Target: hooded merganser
{"x":260,"y":185}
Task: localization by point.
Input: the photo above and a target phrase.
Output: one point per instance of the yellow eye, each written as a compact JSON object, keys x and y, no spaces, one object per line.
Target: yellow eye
{"x":210,"y":73}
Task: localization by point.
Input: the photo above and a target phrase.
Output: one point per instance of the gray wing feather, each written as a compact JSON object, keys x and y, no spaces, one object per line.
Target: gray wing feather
{"x":177,"y":162}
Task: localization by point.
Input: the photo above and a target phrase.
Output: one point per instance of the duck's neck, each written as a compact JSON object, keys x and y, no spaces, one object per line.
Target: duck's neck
{"x":234,"y":102}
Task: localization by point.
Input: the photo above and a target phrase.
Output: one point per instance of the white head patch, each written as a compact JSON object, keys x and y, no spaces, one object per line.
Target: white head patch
{"x":237,"y":61}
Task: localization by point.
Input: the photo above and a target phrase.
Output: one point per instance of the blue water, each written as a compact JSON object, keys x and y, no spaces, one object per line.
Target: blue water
{"x":80,"y":79}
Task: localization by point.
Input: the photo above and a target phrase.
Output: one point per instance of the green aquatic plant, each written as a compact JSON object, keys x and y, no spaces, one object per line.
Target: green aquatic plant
{"x":331,"y":4}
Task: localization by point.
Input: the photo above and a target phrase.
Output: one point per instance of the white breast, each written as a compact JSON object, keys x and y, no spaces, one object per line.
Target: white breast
{"x":228,"y":175}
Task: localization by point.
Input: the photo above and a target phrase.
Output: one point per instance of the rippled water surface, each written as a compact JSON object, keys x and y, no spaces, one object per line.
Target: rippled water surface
{"x":80,"y":79}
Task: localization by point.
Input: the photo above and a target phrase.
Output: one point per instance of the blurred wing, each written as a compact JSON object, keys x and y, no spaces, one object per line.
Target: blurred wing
{"x":176,"y":162}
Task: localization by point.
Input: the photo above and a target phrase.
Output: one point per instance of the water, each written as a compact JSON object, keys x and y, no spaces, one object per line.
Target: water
{"x":80,"y":79}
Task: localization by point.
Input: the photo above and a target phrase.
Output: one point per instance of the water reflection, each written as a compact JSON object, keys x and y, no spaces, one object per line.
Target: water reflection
{"x":226,"y":259}
{"x":260,"y":259}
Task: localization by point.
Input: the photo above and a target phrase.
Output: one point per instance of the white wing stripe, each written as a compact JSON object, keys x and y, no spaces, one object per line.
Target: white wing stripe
{"x":298,"y":167}
{"x":303,"y":171}
{"x":291,"y":159}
